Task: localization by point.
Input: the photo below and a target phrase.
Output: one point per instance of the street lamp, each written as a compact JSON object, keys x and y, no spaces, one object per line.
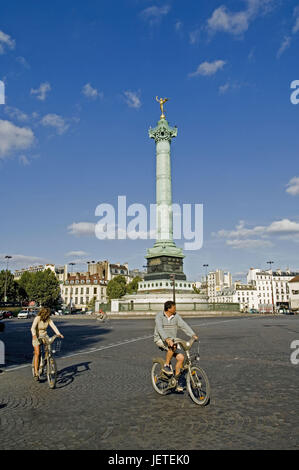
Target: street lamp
{"x":270,"y":263}
{"x":5,"y":285}
{"x":206,"y":266}
{"x":172,"y":278}
{"x":71,"y":299}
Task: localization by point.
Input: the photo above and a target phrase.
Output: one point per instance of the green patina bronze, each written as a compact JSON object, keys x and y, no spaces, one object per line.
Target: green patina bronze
{"x":165,"y":257}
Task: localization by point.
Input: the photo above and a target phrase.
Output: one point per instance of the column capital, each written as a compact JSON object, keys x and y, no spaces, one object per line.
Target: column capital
{"x":163,"y":132}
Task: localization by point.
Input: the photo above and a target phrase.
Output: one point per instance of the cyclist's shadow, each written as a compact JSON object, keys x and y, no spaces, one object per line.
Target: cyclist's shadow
{"x":66,"y":376}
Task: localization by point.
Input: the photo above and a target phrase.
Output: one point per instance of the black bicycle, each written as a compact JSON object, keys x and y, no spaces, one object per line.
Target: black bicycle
{"x":47,"y":365}
{"x":197,"y":381}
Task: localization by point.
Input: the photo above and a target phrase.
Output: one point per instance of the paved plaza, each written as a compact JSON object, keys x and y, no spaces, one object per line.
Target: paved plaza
{"x":104,"y":398}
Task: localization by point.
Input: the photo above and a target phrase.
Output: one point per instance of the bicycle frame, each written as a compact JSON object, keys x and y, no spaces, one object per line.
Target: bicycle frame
{"x":197,"y":381}
{"x":46,"y":359}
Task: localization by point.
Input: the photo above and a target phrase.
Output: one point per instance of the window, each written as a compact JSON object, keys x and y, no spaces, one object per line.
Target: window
{"x":94,"y":290}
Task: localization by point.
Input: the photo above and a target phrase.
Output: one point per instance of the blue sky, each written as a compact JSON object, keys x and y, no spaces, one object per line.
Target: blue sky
{"x":81,"y":78}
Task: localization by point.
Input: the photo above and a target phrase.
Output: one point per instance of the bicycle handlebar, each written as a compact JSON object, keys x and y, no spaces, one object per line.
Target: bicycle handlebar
{"x":186,"y":345}
{"x":50,"y":340}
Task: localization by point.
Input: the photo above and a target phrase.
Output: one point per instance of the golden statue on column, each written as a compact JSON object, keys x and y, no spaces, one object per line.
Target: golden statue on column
{"x":161,"y":101}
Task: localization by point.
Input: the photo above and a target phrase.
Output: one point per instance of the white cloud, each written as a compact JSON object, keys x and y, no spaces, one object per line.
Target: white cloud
{"x":91,"y":92}
{"x":236,"y":23}
{"x":208,"y":68}
{"x":284,"y":45}
{"x":82,"y":228}
{"x":133,"y":99}
{"x":248,"y":244}
{"x":296,"y":25}
{"x":14,"y":138}
{"x":21,"y":261}
{"x":223,"y":20}
{"x":154,"y":14}
{"x":224,"y":88}
{"x":55,"y":121}
{"x":6,"y":42}
{"x":293,"y":186}
{"x":24,"y":160}
{"x":76,"y":253}
{"x":194,"y":36}
{"x":23,"y":61}
{"x":178,"y":26}
{"x":41,"y":92}
{"x":230,"y":86}
{"x":15,"y":113}
{"x":283,"y":229}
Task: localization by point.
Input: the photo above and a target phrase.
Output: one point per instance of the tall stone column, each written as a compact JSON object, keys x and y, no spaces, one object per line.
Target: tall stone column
{"x":165,"y":257}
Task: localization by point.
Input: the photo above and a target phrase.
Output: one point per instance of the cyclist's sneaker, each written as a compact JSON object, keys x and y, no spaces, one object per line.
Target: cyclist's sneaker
{"x":179,"y":387}
{"x":167,"y":370}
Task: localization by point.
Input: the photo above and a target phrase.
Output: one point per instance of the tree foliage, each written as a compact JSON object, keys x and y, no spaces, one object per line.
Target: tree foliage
{"x":132,"y":287}
{"x":42,"y":287}
{"x":116,"y":287}
{"x":6,"y":277}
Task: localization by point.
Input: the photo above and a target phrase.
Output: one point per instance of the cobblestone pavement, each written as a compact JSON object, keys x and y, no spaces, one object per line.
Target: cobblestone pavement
{"x":104,"y":398}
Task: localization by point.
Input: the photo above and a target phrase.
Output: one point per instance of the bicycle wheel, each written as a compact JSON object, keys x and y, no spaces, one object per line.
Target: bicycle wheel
{"x":198,"y":386}
{"x":159,"y":381}
{"x":51,"y":372}
{"x":32,"y":366}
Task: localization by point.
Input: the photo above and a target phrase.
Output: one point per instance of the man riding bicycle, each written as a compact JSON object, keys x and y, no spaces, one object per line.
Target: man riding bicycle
{"x":167,"y":324}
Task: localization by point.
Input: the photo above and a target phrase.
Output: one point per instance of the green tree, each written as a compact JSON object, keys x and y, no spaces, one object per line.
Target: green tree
{"x":196,"y":290}
{"x":42,"y":287}
{"x":7,"y":278}
{"x":116,"y":288}
{"x":92,"y":304}
{"x":132,"y":287}
{"x":25,"y":282}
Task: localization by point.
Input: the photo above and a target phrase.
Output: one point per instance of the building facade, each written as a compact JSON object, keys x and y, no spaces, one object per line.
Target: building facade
{"x":218,"y":281}
{"x":272,"y":286}
{"x":81,"y":288}
{"x":243,"y":294}
{"x":294,"y":293}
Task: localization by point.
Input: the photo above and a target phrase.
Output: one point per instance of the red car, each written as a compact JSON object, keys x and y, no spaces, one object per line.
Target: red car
{"x":7,"y":314}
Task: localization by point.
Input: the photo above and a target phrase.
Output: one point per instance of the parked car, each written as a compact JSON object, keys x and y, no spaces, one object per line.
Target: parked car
{"x":1,"y":315}
{"x":253,"y":310}
{"x":58,"y":312}
{"x":7,"y":314}
{"x":89,"y":312}
{"x":24,"y":314}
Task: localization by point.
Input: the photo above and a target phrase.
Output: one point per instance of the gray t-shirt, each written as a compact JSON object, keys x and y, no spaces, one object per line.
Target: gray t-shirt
{"x":167,"y":327}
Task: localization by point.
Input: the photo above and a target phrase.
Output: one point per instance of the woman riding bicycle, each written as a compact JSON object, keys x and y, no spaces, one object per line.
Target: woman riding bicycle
{"x":39,"y":330}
